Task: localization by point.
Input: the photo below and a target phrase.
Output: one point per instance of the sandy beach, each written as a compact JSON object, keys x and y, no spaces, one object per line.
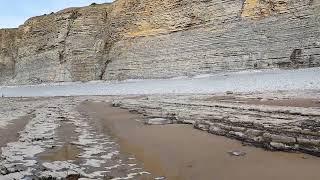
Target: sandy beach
{"x":181,"y":152}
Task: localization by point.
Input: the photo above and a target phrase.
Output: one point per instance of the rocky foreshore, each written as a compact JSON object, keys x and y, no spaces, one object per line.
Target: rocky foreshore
{"x":274,"y":121}
{"x":85,"y":137}
{"x":58,"y":142}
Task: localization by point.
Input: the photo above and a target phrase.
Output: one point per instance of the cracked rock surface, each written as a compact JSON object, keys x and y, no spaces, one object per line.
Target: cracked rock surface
{"x":60,"y":141}
{"x":96,"y":155}
{"x":275,"y":121}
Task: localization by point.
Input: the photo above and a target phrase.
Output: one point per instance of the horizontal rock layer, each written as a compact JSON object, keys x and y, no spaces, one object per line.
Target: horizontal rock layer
{"x":132,"y":39}
{"x":288,"y":126}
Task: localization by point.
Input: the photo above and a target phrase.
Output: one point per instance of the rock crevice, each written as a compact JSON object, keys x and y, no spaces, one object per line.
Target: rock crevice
{"x":285,"y":128}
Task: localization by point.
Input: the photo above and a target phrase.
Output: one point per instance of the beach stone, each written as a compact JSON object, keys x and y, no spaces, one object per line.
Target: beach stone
{"x":237,"y":134}
{"x":229,"y":92}
{"x":258,"y":139}
{"x":116,"y":104}
{"x":217,"y":130}
{"x":158,"y":121}
{"x":278,"y":146}
{"x":237,"y":153}
{"x":160,"y":178}
{"x":73,"y":177}
{"x":201,"y":126}
{"x":4,"y":170}
{"x":279,"y":138}
{"x":186,"y":121}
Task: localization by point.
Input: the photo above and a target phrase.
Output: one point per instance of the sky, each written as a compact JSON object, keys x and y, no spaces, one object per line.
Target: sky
{"x":15,"y":12}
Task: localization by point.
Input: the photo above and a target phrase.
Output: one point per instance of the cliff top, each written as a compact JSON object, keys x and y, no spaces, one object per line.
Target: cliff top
{"x":61,"y":12}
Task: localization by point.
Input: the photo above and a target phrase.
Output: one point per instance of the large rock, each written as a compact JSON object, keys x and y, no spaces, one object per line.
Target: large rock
{"x":161,"y":39}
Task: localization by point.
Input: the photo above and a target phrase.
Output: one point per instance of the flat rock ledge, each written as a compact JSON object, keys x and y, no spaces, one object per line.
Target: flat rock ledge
{"x":158,"y":121}
{"x":273,"y":127}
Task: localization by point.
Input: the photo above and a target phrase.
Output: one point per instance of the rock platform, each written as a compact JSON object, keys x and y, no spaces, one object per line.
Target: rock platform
{"x":275,"y":121}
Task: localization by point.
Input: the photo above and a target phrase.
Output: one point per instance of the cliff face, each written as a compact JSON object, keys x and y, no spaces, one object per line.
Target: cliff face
{"x":161,"y":39}
{"x":66,"y":46}
{"x":7,"y":53}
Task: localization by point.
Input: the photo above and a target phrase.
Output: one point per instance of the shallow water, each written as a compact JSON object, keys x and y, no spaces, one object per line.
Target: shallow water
{"x":64,"y":153}
{"x":44,"y":148}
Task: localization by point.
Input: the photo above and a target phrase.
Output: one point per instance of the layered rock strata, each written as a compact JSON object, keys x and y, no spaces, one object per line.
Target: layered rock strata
{"x":131,"y":39}
{"x":275,"y":123}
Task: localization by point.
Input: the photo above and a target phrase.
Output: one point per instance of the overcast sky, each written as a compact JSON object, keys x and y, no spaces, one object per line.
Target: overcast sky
{"x":14,"y":12}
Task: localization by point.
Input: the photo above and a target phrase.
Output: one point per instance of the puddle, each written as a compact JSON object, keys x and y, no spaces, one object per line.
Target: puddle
{"x":11,"y":132}
{"x":59,"y":142}
{"x":64,"y":153}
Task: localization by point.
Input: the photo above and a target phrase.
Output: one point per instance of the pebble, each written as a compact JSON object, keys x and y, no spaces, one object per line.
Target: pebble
{"x":237,"y":153}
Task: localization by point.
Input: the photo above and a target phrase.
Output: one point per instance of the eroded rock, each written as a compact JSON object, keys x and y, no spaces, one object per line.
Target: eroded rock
{"x":272,"y":127}
{"x":158,"y":121}
{"x":171,"y":39}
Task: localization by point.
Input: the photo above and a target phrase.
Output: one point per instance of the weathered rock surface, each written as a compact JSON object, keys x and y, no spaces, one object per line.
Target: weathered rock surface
{"x":274,"y":126}
{"x":7,"y":53}
{"x":55,"y":124}
{"x":161,"y":39}
{"x":158,"y":121}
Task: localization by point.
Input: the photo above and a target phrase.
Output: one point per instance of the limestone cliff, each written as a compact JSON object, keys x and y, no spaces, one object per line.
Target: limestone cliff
{"x":8,"y":53}
{"x":161,"y":39}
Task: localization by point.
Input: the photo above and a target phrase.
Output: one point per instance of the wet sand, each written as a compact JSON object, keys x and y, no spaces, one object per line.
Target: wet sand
{"x":58,"y":141}
{"x":11,"y":132}
{"x":68,"y":151}
{"x":181,"y":152}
